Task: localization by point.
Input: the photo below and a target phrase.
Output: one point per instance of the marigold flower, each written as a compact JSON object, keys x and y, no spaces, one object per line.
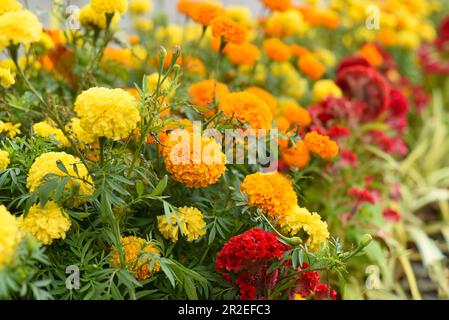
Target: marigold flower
{"x":285,"y":24}
{"x":202,"y":94}
{"x":191,"y":164}
{"x":247,"y":108}
{"x":190,"y":221}
{"x":6,"y":78}
{"x":311,"y":66}
{"x":139,"y":256}
{"x":294,"y":113}
{"x":278,"y":5}
{"x":109,"y":6}
{"x":79,"y":133}
{"x":371,"y":53}
{"x":140,"y":6}
{"x":229,"y":30}
{"x":296,"y":219}
{"x":273,"y":193}
{"x":110,"y":113}
{"x":45,"y":129}
{"x":122,"y":56}
{"x":321,"y":145}
{"x":10,"y":129}
{"x":45,"y":224}
{"x":201,"y":12}
{"x":242,"y":54}
{"x":47,"y":164}
{"x":297,"y":156}
{"x":4,"y":160}
{"x":265,"y":96}
{"x":240,"y":14}
{"x":9,"y":236}
{"x":89,"y":18}
{"x":9,"y":5}
{"x":19,"y":27}
{"x":324,"y":88}
{"x":277,"y":50}
{"x":298,"y":50}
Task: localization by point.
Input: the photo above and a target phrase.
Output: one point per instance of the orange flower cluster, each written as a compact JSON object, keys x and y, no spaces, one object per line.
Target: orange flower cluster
{"x":311,"y":66}
{"x":273,"y":193}
{"x":278,"y":5}
{"x":247,"y":108}
{"x":276,"y":49}
{"x":229,"y":30}
{"x":203,"y":93}
{"x":265,"y":96}
{"x":296,"y":114}
{"x":321,"y":145}
{"x":200,"y":12}
{"x":320,"y":17}
{"x":242,"y":54}
{"x":297,"y":156}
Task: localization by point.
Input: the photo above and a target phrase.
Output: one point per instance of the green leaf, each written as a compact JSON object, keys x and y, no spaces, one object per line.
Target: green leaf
{"x":160,"y":187}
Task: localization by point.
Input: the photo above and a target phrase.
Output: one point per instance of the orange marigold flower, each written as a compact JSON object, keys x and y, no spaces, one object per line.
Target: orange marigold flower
{"x":276,"y":49}
{"x":283,"y":124}
{"x":242,"y":54}
{"x":278,"y":5}
{"x":370,"y":52}
{"x":201,"y":12}
{"x":311,"y":66}
{"x":139,"y":255}
{"x":248,"y":108}
{"x":321,"y":145}
{"x":298,"y":51}
{"x":273,"y":193}
{"x":185,"y":124}
{"x":297,"y":114}
{"x":191,"y":164}
{"x":297,"y":156}
{"x":119,"y":55}
{"x":265,"y":96}
{"x":202,"y":95}
{"x":230,"y":30}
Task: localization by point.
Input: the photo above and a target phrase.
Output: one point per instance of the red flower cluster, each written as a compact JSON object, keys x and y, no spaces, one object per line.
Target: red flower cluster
{"x":363,"y":195}
{"x":244,"y":261}
{"x":308,"y":286}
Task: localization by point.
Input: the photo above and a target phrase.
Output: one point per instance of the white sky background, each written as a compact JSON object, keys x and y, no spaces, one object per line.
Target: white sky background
{"x":42,"y":7}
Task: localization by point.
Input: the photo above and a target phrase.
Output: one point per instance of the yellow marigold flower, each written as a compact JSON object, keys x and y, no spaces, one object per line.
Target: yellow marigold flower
{"x":240,"y":14}
{"x":325,"y":56}
{"x":313,"y":68}
{"x":6,"y":78}
{"x":45,"y":224}
{"x":47,"y":163}
{"x":171,"y":35}
{"x":289,"y":80}
{"x":408,"y":39}
{"x":228,"y":29}
{"x":265,"y":96}
{"x":9,"y":5}
{"x":152,"y":81}
{"x":143,"y":24}
{"x":297,"y":156}
{"x":89,"y":18}
{"x":324,"y":88}
{"x":278,"y":5}
{"x":109,"y":6}
{"x":139,"y":256}
{"x":202,"y":95}
{"x":321,"y":145}
{"x":45,"y":129}
{"x":273,"y":193}
{"x":140,"y":6}
{"x":247,"y":108}
{"x":296,"y":219}
{"x":294,"y":113}
{"x":9,"y":236}
{"x":19,"y":27}
{"x":277,"y":50}
{"x":201,"y":12}
{"x":190,"y":221}
{"x":285,"y":24}
{"x":4,"y":160}
{"x":79,"y":133}
{"x":298,"y":297}
{"x":10,"y":129}
{"x":242,"y":54}
{"x":110,"y":113}
{"x":191,"y":164}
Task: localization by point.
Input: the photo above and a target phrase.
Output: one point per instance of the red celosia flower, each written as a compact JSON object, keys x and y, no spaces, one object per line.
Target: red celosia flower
{"x":363,"y":195}
{"x":391,"y":214}
{"x":348,"y":158}
{"x":338,"y":132}
{"x":352,"y":61}
{"x":443,"y":34}
{"x":392,"y":145}
{"x":321,"y":293}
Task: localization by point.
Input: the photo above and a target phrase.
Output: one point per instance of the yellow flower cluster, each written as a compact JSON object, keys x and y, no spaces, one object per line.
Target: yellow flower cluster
{"x":45,"y":224}
{"x":285,"y":24}
{"x":110,"y":113}
{"x":109,"y":6}
{"x":9,"y":236}
{"x":140,"y":6}
{"x":138,"y":255}
{"x":195,"y":166}
{"x":273,"y":193}
{"x":79,"y":133}
{"x":296,"y":219}
{"x":324,"y":88}
{"x":4,"y":160}
{"x":47,"y":163}
{"x":190,"y":221}
{"x":89,"y":18}
{"x":290,"y":81}
{"x":10,"y":129}
{"x":9,"y":5}
{"x":6,"y":78}
{"x":247,"y":108}
{"x":19,"y":27}
{"x":45,"y":129}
